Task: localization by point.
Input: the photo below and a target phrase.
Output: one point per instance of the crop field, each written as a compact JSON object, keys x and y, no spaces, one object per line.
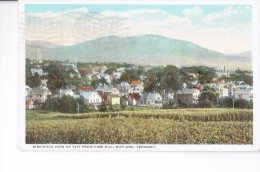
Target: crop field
{"x":147,"y":126}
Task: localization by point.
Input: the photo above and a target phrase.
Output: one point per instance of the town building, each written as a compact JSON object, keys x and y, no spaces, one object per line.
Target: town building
{"x":92,"y":98}
{"x":133,"y":99}
{"x":188,"y":96}
{"x":29,"y":103}
{"x":105,"y":91}
{"x":113,"y":99}
{"x":124,"y":88}
{"x":150,"y":100}
{"x":40,"y":94}
{"x":66,"y":92}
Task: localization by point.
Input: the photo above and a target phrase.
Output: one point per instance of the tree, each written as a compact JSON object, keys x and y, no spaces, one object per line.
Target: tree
{"x":103,"y":81}
{"x":94,"y":83}
{"x":153,"y":81}
{"x":206,"y":74}
{"x":126,"y":77}
{"x":225,"y":102}
{"x":57,"y":78}
{"x":37,"y":104}
{"x":80,"y":105}
{"x":168,"y":105}
{"x":185,"y":77}
{"x":33,"y":81}
{"x":76,"y":82}
{"x":243,"y":104}
{"x":150,"y":84}
{"x":115,"y":82}
{"x":51,"y":104}
{"x":103,"y":107}
{"x":205,"y":103}
{"x":170,"y":80}
{"x":208,"y":97}
{"x":242,"y":75}
{"x":66,"y":105}
{"x":140,"y":70}
{"x":110,"y":70}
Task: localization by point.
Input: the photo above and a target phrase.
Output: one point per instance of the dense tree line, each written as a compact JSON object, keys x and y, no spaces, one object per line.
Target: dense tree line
{"x":65,"y":104}
{"x":240,"y":75}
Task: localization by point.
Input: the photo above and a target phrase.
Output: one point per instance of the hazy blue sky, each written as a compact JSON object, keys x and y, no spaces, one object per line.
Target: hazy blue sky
{"x":224,"y":28}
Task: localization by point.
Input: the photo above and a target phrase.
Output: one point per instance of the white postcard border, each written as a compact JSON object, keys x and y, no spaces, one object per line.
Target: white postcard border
{"x":140,"y":147}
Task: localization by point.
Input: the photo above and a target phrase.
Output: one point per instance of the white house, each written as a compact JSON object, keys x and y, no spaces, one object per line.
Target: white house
{"x":231,"y":89}
{"x":124,"y":88}
{"x":150,"y":100}
{"x":28,"y":91}
{"x":36,"y":70}
{"x":92,"y":98}
{"x":39,"y":71}
{"x":137,"y":87}
{"x":246,"y":94}
{"x":66,"y":92}
{"x":221,"y":90}
{"x":40,"y":94}
{"x":188,"y":96}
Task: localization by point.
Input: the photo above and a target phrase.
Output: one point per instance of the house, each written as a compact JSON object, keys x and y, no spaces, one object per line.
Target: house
{"x":244,"y":87}
{"x":135,"y":82}
{"x":246,"y":94}
{"x":216,"y":81}
{"x":92,"y":98}
{"x":105,"y":91}
{"x":29,"y":103}
{"x":188,"y":96}
{"x":106,"y":77}
{"x":39,"y":71}
{"x":197,"y":86}
{"x":117,"y":74}
{"x":44,"y":84}
{"x":121,"y":69}
{"x":168,"y":96}
{"x":231,"y":89}
{"x":113,"y":99}
{"x":124,"y":88}
{"x":221,"y":71}
{"x":36,"y":70}
{"x":75,"y":96}
{"x":221,"y":90}
{"x":103,"y":69}
{"x":133,"y":99}
{"x":28,"y":91}
{"x":87,"y":89}
{"x":66,"y":92}
{"x":150,"y":100}
{"x":96,"y":76}
{"x":137,"y":87}
{"x":40,"y":94}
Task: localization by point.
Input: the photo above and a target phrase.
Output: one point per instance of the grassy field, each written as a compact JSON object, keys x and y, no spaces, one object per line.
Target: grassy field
{"x":141,"y":126}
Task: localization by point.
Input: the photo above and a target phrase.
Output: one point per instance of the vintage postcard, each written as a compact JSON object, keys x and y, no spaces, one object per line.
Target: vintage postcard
{"x":138,"y":75}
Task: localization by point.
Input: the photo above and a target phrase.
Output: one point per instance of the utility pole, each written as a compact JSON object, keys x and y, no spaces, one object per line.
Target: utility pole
{"x":78,"y":108}
{"x":233,"y":100}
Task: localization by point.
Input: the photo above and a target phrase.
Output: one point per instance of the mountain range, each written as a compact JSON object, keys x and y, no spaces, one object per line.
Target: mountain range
{"x":142,"y":50}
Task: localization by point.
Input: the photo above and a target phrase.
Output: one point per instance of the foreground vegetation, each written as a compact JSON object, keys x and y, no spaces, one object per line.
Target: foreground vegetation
{"x":174,"y":126}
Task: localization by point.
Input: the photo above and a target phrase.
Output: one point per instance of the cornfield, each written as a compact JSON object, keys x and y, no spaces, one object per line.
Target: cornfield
{"x":175,"y":126}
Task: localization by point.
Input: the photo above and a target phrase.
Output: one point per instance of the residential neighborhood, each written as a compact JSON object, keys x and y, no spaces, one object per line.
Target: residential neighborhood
{"x":101,"y":83}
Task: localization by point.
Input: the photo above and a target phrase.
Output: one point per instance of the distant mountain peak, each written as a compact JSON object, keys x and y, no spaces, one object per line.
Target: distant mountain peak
{"x":143,"y":49}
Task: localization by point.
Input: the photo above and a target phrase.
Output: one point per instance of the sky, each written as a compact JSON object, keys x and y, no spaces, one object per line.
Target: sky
{"x":222,"y":28}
